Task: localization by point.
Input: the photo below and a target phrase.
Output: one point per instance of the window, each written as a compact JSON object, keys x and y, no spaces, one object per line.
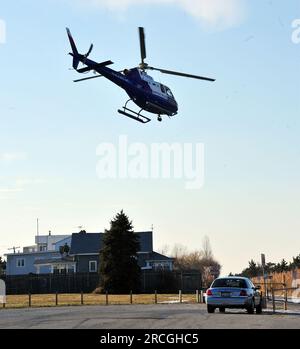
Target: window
{"x":163,"y":89}
{"x":233,"y":283}
{"x":169,"y":93}
{"x":160,"y":265}
{"x":42,"y":248}
{"x":20,"y":262}
{"x":92,"y":266}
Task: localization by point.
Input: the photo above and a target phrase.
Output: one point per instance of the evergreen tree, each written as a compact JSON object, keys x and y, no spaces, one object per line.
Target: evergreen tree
{"x":296,"y":262}
{"x":284,"y":266}
{"x":270,"y":267}
{"x":119,"y":270}
{"x":253,"y":268}
{"x":252,"y":271}
{"x":64,"y":250}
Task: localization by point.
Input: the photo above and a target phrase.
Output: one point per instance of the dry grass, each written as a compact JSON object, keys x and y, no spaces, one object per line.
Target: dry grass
{"x":49,"y":300}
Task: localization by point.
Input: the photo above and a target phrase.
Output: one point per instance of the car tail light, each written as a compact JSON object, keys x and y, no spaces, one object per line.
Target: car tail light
{"x":243,"y":293}
{"x":209,"y":293}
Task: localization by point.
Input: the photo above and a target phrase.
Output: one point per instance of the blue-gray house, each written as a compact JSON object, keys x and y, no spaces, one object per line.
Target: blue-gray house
{"x":46,"y":247}
{"x":83,"y":257}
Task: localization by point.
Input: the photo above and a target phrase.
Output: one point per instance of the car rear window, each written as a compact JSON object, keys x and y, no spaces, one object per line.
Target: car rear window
{"x":234,"y":283}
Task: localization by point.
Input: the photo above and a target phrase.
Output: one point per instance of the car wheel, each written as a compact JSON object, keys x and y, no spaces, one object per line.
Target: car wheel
{"x":210,"y":309}
{"x":259,"y":309}
{"x":250,"y":308}
{"x":222,"y":310}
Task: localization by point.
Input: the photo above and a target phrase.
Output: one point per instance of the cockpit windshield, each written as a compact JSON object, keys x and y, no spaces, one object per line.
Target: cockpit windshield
{"x":167,"y":91}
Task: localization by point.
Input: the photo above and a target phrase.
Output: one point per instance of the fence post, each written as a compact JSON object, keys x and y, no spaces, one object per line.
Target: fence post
{"x":29,"y":300}
{"x":82,"y":303}
{"x":273,"y":301}
{"x":180,"y":296}
{"x":131,"y":297}
{"x":286,"y":301}
{"x":155,"y":298}
{"x":106,"y":298}
{"x":197,"y":296}
{"x":202,"y":297}
{"x":3,"y":305}
{"x":56,"y":298}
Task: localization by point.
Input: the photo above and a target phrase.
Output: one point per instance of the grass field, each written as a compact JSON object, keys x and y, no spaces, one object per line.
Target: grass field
{"x":22,"y":301}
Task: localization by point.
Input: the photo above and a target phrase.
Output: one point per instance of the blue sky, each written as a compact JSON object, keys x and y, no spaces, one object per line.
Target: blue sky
{"x":248,"y":121}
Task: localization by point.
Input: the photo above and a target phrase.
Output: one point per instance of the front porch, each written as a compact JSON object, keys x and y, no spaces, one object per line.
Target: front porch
{"x":63,"y":265}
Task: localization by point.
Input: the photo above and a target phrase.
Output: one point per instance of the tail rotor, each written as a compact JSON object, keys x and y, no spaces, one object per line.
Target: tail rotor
{"x":77,"y":58}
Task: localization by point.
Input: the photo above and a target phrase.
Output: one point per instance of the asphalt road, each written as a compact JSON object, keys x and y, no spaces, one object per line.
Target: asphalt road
{"x":162,"y":316}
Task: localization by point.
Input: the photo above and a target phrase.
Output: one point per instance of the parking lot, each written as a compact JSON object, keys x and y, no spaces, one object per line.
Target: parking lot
{"x":160,"y":316}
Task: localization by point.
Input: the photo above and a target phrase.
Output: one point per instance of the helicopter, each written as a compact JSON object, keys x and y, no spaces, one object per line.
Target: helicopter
{"x":143,"y":90}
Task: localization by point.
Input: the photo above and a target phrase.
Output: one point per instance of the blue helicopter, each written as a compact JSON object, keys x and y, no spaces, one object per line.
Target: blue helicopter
{"x":149,"y":95}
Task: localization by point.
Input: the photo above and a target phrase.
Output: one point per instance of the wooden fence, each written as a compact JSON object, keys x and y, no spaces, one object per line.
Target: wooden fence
{"x":54,"y":300}
{"x":162,"y":281}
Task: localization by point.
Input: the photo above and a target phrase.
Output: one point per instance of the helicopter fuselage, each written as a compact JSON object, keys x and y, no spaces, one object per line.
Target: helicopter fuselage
{"x":142,"y":89}
{"x":146,"y":93}
{"x":150,"y":95}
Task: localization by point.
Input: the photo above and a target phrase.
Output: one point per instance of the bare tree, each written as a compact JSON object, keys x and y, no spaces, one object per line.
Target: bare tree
{"x":206,"y":248}
{"x":201,"y":260}
{"x":164,"y":250}
{"x":179,"y":251}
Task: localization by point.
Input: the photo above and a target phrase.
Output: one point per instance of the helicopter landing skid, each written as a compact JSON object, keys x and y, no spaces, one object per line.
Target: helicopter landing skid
{"x":134,"y":115}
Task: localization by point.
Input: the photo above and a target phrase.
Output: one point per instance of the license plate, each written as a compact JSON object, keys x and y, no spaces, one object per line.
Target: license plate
{"x":226,"y":294}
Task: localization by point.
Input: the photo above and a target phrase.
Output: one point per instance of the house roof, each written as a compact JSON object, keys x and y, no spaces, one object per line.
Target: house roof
{"x":154,"y":256}
{"x":91,"y":243}
{"x":83,"y":243}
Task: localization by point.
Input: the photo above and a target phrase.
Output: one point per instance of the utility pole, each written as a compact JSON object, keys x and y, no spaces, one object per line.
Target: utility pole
{"x":37,"y":227}
{"x":263,"y":263}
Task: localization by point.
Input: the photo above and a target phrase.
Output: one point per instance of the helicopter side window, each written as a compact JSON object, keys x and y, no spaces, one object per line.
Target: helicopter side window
{"x":169,"y":93}
{"x":163,"y":89}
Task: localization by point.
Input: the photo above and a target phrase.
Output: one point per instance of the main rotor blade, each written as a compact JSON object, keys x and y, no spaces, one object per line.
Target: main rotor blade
{"x":91,"y":77}
{"x":142,"y":43}
{"x":181,"y":74}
